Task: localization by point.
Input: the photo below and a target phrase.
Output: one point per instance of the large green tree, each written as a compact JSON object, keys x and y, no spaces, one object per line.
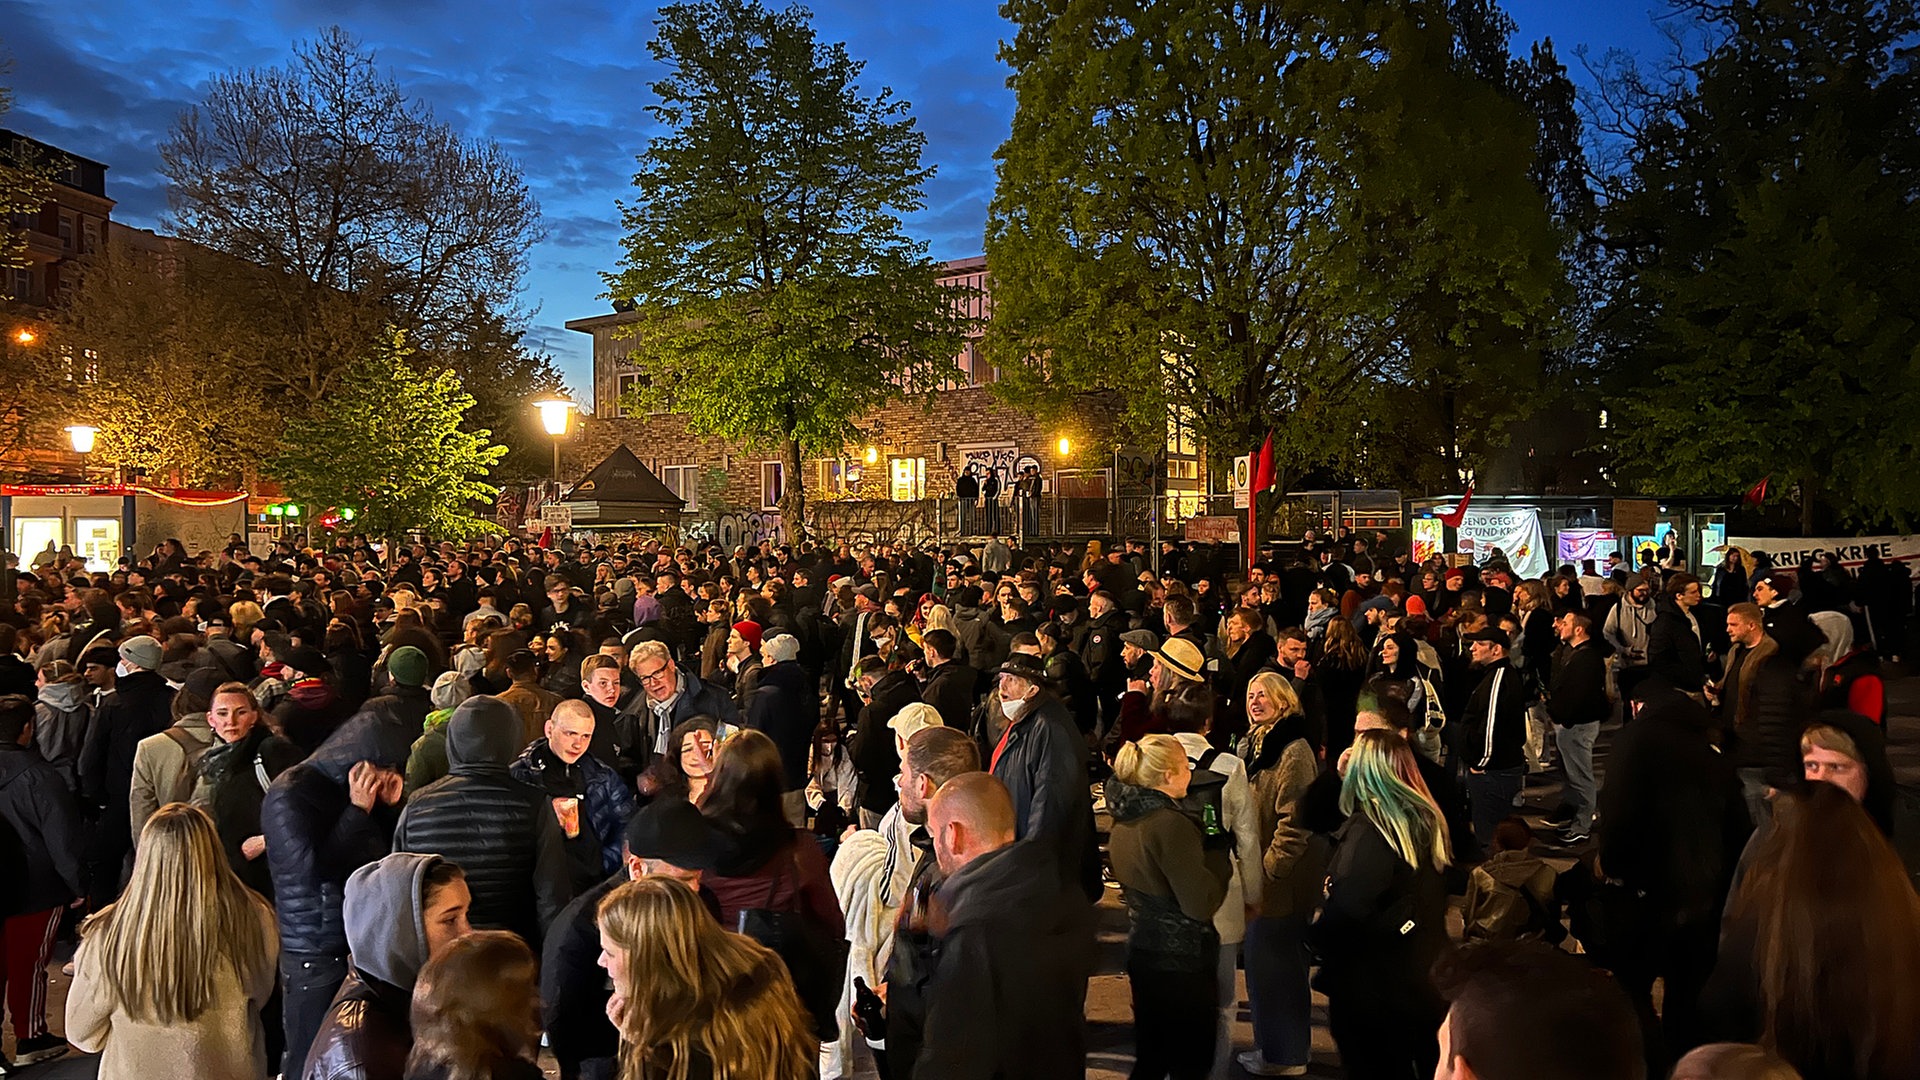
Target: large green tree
{"x":1264,"y":214}
{"x":1771,"y":220}
{"x":779,"y":299}
{"x":391,"y":444}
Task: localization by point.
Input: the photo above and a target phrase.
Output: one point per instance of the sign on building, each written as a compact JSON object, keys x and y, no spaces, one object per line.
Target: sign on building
{"x":1218,"y":530}
{"x":557,"y":516}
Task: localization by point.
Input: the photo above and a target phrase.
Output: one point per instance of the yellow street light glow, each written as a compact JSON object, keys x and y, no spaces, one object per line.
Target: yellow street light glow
{"x":24,"y":336}
{"x":1065,"y":446}
{"x":82,"y":436}
{"x":553,"y":414}
{"x":873,"y":455}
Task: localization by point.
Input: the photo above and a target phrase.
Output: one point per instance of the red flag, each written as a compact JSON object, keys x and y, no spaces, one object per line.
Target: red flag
{"x":1757,"y":494}
{"x":1453,"y":518}
{"x":546,"y":537}
{"x":1263,"y":466}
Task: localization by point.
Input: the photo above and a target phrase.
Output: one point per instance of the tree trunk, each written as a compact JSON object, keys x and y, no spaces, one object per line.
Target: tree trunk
{"x":793,"y":493}
{"x":1806,"y":506}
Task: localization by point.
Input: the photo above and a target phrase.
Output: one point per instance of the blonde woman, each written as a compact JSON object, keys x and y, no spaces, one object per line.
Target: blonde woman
{"x":693,"y":1001}
{"x":1283,"y":758}
{"x":169,"y":981}
{"x":1172,"y":885}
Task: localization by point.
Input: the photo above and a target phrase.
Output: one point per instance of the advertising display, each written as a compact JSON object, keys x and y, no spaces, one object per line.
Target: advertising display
{"x":1851,"y":551}
{"x":1429,"y":538}
{"x":1514,"y":530}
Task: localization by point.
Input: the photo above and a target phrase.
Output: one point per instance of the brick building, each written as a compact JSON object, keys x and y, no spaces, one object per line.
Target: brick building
{"x":900,"y":483}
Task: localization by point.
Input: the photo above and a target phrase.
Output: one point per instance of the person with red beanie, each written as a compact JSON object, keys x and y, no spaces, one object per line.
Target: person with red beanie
{"x":742,"y":665}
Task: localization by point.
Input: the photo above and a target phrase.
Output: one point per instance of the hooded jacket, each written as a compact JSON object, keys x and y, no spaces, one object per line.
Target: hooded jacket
{"x":141,"y":705}
{"x":39,"y":812}
{"x":1006,"y":997}
{"x":606,"y":801}
{"x":785,"y":707}
{"x":316,"y":836}
{"x":1172,"y":884}
{"x":60,"y":715}
{"x":368,"y":1030}
{"x":500,"y":831}
{"x":1674,"y":651}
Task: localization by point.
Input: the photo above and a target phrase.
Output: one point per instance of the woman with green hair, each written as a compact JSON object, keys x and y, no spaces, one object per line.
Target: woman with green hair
{"x":1384,"y":921}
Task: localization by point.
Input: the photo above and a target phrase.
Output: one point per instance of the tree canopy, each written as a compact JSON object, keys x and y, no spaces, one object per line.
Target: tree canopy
{"x":779,"y":298}
{"x":1767,"y":212}
{"x":1266,"y":215}
{"x":390,"y":444}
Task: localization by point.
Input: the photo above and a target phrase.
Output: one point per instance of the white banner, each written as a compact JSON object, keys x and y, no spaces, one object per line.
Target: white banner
{"x":1515,"y":531}
{"x":1787,"y":551}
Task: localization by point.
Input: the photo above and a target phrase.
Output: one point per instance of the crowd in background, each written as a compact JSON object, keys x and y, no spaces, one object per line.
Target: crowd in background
{"x":374,"y":810}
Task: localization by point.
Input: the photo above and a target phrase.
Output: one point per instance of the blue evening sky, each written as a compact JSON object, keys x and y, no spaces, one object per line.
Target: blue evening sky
{"x":562,"y":84}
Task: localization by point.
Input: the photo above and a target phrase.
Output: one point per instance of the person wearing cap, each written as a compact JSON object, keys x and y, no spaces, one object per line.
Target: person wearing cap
{"x":742,"y":663}
{"x":1136,"y":655}
{"x":164,"y":764}
{"x":140,"y":705}
{"x":785,"y":706}
{"x":667,"y":837}
{"x":886,"y":691}
{"x":1042,"y":759}
{"x":1493,"y":733}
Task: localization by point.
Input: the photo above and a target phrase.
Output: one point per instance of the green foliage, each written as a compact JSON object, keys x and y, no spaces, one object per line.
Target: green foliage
{"x":25,"y":185}
{"x":780,"y":300}
{"x":1270,"y":214}
{"x":389,"y":443}
{"x":1769,"y":312}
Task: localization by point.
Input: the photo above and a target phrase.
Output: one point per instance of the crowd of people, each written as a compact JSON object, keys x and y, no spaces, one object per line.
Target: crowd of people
{"x":392,"y":811}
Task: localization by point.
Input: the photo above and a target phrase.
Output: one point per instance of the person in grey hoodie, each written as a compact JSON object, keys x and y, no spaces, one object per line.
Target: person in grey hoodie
{"x":400,"y":911}
{"x":503,"y":833}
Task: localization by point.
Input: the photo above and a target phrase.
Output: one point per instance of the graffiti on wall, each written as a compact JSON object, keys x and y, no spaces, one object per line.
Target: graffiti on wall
{"x":1134,"y":472}
{"x":998,"y":458}
{"x":741,"y":528}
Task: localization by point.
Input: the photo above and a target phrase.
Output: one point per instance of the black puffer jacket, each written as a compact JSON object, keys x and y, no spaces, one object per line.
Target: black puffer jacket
{"x":39,"y":834}
{"x":499,"y":830}
{"x":316,"y":837}
{"x":1673,"y":649}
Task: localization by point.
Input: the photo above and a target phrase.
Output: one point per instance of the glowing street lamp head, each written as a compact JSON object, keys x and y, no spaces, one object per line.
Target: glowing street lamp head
{"x":553,"y":414}
{"x":82,"y":436}
{"x":873,"y":455}
{"x":24,"y":336}
{"x":1065,"y":446}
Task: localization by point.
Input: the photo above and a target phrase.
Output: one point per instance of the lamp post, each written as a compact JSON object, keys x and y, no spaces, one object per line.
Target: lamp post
{"x":554,"y":412}
{"x":82,"y":437}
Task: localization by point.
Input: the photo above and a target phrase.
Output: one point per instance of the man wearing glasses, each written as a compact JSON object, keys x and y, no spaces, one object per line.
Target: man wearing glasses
{"x":669,"y":696}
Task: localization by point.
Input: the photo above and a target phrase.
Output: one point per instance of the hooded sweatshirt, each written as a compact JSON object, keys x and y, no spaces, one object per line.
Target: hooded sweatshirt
{"x":368,"y":1031}
{"x":60,"y":727}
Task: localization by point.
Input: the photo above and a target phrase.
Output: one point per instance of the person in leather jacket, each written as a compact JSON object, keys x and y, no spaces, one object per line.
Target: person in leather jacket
{"x":400,"y":912}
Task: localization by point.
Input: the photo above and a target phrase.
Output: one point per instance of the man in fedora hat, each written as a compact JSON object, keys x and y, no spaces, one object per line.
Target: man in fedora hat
{"x":1042,"y":759}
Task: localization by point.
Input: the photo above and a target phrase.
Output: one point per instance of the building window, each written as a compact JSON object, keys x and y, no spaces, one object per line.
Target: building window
{"x":624,"y":384}
{"x":684,"y":481}
{"x":22,"y":285}
{"x":835,"y":477}
{"x":772,"y":485}
{"x":907,"y":479}
{"x":66,"y":233}
{"x":91,"y":238}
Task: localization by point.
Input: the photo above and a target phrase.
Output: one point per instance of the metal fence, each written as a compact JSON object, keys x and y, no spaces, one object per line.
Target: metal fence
{"x":1049,"y":518}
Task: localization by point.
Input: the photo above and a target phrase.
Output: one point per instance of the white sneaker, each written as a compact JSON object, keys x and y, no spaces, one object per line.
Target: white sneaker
{"x":1256,"y":1065}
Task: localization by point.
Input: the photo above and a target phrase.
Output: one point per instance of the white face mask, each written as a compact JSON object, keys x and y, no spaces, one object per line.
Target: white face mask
{"x":1012,"y":708}
{"x":123,"y":669}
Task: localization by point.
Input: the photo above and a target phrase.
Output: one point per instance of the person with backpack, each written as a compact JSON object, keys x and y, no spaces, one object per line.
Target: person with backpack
{"x":1173,"y":883}
{"x":233,"y":775}
{"x":164,"y":765}
{"x":1218,"y":796}
{"x":1511,"y":895}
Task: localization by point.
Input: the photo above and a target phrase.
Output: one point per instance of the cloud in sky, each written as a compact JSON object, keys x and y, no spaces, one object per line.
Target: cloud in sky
{"x":561,"y":84}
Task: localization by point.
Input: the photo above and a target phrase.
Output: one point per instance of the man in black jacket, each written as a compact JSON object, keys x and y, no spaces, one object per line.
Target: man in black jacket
{"x":1041,"y":757}
{"x":1577,"y":703}
{"x":140,"y":705}
{"x":1674,"y":648}
{"x":1007,"y":993}
{"x":886,"y":691}
{"x":785,"y":707}
{"x":1100,"y":652}
{"x":323,"y":819}
{"x":949,"y":686}
{"x":43,"y":867}
{"x":499,"y":830}
{"x":1493,"y":734}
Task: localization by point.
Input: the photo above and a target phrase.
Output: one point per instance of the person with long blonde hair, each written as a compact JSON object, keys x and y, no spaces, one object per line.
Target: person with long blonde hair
{"x":692,"y":1000}
{"x":1385,"y":918}
{"x":169,"y":980}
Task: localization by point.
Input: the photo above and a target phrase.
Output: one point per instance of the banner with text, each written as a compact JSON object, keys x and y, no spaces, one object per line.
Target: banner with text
{"x":1576,"y":545}
{"x":1851,"y":551}
{"x":1515,"y":531}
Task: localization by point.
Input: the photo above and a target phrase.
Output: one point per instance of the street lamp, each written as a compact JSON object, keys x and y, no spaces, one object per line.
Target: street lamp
{"x":554,"y":412}
{"x":24,"y":336}
{"x":82,"y":436}
{"x":1065,"y":446}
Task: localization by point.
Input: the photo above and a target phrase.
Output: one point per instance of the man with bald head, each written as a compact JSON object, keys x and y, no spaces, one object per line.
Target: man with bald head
{"x":1007,"y":993}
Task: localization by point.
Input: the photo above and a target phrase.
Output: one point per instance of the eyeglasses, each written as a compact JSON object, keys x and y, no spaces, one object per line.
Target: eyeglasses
{"x":654,"y":675}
